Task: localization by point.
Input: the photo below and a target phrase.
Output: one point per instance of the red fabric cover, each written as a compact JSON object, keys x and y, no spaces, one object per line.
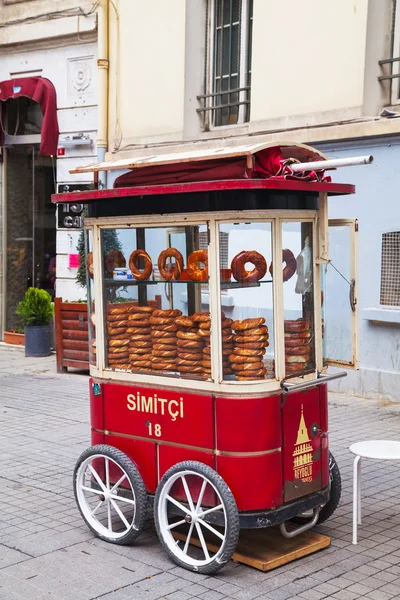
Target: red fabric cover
{"x":40,"y":90}
{"x":267,"y":163}
{"x":207,"y":170}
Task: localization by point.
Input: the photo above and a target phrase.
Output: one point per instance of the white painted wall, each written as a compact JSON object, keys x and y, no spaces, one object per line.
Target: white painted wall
{"x":72,"y":69}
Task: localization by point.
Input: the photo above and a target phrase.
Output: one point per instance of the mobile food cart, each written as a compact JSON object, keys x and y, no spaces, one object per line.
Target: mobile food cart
{"x":208,"y":341}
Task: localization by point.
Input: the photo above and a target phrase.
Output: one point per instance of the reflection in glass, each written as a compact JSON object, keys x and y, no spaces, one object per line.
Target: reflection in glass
{"x":247,"y":301}
{"x":298,"y":298}
{"x":90,"y":297}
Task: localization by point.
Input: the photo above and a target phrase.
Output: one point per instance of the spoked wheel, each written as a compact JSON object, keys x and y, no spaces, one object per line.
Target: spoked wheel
{"x":110,"y":494}
{"x":336,"y":490}
{"x":196,"y":517}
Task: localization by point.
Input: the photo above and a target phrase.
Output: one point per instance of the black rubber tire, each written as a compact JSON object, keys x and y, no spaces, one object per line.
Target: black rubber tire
{"x":336,"y":490}
{"x":232,"y":516}
{"x":136,"y":482}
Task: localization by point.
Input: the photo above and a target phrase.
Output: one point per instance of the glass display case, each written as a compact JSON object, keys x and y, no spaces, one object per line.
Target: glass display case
{"x":205,"y":298}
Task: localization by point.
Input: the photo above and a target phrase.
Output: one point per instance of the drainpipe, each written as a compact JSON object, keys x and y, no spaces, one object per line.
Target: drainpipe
{"x":102,"y":65}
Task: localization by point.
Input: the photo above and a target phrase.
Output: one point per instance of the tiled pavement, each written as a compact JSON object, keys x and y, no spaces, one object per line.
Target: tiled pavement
{"x":46,"y":551}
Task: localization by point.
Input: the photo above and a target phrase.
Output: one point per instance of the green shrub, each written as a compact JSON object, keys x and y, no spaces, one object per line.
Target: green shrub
{"x":36,"y":308}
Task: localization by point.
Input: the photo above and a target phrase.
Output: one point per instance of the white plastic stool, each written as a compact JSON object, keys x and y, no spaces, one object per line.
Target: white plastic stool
{"x":379,"y":450}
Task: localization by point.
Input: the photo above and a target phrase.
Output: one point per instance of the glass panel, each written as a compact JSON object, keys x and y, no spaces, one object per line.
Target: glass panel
{"x":225,"y":100}
{"x":226,"y":51}
{"x":146,"y":295}
{"x":31,"y":233}
{"x":218,"y":54}
{"x":24,"y":116}
{"x":247,"y":302}
{"x":218,"y":11}
{"x":235,"y":10}
{"x":298,"y":298}
{"x":227,"y":15}
{"x":90,"y":296}
{"x":235,"y":50}
{"x":336,"y":310}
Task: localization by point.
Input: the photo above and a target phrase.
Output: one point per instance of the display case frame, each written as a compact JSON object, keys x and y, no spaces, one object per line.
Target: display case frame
{"x":217,"y":385}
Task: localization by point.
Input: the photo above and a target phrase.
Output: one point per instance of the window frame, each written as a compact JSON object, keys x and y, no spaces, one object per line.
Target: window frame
{"x":395,"y":54}
{"x":243,"y":75}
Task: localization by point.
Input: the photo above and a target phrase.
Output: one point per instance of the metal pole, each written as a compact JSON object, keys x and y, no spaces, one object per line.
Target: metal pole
{"x":335,"y":163}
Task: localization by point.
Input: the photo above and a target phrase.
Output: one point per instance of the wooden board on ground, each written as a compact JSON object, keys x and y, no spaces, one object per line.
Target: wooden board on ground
{"x":267,"y":549}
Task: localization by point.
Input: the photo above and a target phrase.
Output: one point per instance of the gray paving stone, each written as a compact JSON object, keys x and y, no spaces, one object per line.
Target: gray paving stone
{"x":46,"y":551}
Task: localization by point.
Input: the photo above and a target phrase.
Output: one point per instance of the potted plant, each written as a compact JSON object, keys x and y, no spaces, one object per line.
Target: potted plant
{"x":15,"y":337}
{"x":36,"y":311}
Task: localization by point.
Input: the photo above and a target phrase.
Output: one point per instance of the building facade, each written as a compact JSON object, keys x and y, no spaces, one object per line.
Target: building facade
{"x":55,"y":42}
{"x":206,"y":73}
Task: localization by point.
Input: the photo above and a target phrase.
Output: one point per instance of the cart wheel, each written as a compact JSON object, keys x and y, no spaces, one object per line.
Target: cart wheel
{"x":192,"y":501}
{"x":110,"y":494}
{"x":336,"y":490}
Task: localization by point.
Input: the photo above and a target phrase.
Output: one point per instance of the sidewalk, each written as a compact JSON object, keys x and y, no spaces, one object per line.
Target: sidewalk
{"x":46,"y":551}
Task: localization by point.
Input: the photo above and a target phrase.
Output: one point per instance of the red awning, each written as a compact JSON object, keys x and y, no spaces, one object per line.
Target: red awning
{"x":40,"y":90}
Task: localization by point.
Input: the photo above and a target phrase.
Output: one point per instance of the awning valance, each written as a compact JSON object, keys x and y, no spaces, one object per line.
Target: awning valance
{"x":40,"y":90}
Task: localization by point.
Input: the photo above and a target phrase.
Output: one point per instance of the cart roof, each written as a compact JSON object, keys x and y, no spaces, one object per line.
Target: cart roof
{"x":245,"y":166}
{"x":300,"y":152}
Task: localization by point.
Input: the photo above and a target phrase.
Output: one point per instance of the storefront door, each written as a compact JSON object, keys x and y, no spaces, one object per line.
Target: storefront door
{"x":29,"y":226}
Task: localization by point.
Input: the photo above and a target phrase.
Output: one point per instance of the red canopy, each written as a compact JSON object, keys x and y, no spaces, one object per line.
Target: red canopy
{"x":40,"y":90}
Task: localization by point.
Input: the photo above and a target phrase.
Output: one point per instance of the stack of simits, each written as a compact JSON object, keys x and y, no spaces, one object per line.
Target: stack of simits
{"x":118,"y":338}
{"x":189,"y":346}
{"x":250,"y":342}
{"x":297,"y":345}
{"x":227,"y":343}
{"x":139,"y":333}
{"x":163,"y":337}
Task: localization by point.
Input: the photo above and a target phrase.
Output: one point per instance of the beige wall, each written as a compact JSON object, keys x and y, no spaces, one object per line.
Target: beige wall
{"x":147,"y":78}
{"x":308,"y":58}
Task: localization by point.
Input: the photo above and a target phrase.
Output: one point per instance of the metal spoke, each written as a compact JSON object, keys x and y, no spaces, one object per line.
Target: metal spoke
{"x":210,"y":510}
{"x":189,"y":535}
{"x":107,"y":473}
{"x":178,"y":504}
{"x":214,"y":531}
{"x":93,"y":512}
{"x":122,"y":499}
{"x":176,"y":524}
{"x":202,"y":541}
{"x":188,"y":495}
{"x":97,"y":478}
{"x":91,"y":490}
{"x":200,"y":499}
{"x":120,"y":514}
{"x":114,"y":487}
{"x":109,"y":521}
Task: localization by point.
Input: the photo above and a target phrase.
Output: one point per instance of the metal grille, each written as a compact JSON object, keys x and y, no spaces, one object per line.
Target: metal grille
{"x":223,"y":247}
{"x":390,"y":269}
{"x":228,"y":102}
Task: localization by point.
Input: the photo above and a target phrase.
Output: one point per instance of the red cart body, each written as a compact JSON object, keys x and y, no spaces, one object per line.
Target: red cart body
{"x":262,"y":447}
{"x":208,"y":393}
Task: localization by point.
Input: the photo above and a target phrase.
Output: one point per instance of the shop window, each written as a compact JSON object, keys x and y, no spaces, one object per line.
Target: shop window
{"x":227,"y":97}
{"x":390,"y":269}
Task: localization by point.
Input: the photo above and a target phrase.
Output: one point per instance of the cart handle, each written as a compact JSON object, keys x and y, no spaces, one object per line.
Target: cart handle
{"x":309,"y":525}
{"x":290,"y":387}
